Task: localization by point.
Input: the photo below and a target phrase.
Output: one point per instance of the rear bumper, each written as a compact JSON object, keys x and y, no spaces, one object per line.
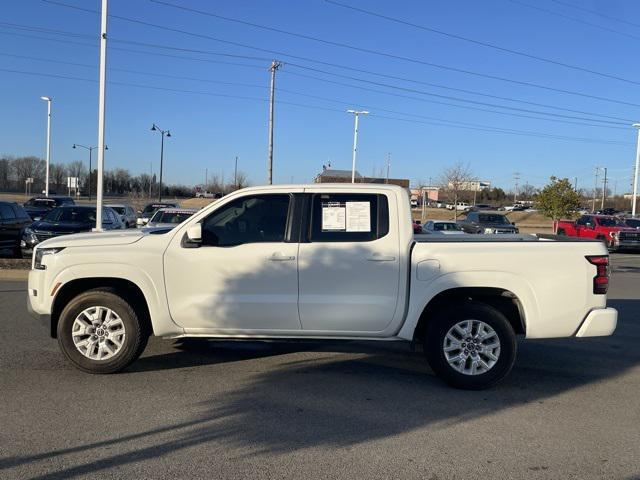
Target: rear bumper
{"x":599,"y":323}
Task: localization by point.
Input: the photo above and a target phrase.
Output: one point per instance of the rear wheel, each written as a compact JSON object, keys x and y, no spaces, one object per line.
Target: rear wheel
{"x":470,"y":346}
{"x":561,"y":232}
{"x":99,"y":332}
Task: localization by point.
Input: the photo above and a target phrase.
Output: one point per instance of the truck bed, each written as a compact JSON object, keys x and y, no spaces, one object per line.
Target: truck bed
{"x":482,"y":238}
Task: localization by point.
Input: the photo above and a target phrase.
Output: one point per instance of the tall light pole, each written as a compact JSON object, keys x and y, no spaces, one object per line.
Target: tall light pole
{"x":635,"y":174}
{"x":357,"y":114}
{"x":275,"y":65}
{"x":604,"y":189}
{"x":91,"y":149}
{"x":163,"y":133}
{"x":46,"y":179}
{"x":102,"y":91}
{"x":235,"y":174}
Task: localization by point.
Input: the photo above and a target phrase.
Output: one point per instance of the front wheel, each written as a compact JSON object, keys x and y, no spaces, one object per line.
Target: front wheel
{"x":470,"y":346}
{"x":100,"y":332}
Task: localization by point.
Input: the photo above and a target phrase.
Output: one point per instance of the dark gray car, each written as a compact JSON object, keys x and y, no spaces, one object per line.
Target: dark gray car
{"x":487,"y":222}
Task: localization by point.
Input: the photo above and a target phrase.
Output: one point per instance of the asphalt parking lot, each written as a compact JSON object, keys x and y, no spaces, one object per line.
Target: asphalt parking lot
{"x":238,"y":410}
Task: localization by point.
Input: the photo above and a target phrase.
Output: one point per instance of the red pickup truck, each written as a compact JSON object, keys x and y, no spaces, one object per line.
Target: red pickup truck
{"x":611,"y":230}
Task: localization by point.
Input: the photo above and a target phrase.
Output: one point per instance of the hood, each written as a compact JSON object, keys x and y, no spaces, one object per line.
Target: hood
{"x":95,"y":239}
{"x":451,"y":232}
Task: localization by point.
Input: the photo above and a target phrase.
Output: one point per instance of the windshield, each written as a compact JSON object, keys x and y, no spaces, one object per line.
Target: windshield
{"x":611,"y":222}
{"x":41,"y":203}
{"x":633,"y":223}
{"x":494,"y":219}
{"x":446,"y":227}
{"x":71,"y":215}
{"x":170,"y":217}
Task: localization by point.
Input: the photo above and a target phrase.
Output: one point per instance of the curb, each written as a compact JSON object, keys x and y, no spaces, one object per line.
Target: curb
{"x":11,"y":274}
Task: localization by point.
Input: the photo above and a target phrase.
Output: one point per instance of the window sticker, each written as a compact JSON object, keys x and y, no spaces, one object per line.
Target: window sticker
{"x":333,"y":217}
{"x":358,"y":216}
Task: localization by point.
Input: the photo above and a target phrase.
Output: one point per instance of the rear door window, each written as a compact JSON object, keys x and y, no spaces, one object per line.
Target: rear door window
{"x":348,"y":217}
{"x":6,"y":212}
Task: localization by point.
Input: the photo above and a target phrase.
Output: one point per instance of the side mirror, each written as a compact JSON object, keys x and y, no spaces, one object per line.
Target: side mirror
{"x":194,"y":233}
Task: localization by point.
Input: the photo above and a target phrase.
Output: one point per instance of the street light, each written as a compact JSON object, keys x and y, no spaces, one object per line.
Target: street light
{"x":155,"y":128}
{"x":357,"y":114}
{"x":76,"y":145}
{"x":635,"y":174}
{"x":46,"y":181}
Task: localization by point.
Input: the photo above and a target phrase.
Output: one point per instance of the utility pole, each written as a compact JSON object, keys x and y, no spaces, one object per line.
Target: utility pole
{"x":235,"y":174}
{"x":635,"y":173}
{"x":46,"y":181}
{"x":101,"y":112}
{"x":275,"y":65}
{"x":516,"y":177}
{"x":575,"y":184}
{"x":388,"y":165}
{"x":604,"y":189}
{"x":356,"y":114}
{"x":163,"y":133}
{"x":595,"y":191}
{"x":150,"y":178}
{"x":206,"y":178}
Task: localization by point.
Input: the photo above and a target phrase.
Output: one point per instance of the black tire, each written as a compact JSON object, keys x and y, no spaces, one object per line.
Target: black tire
{"x":136,"y":332}
{"x":445,"y":319}
{"x":561,"y":232}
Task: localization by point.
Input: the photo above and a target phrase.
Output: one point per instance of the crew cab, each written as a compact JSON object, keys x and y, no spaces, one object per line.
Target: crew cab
{"x":615,"y":233}
{"x":487,"y":222}
{"x":323,"y":261}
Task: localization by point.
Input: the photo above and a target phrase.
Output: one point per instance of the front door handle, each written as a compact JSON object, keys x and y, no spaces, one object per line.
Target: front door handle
{"x":376,"y":257}
{"x":280,"y":257}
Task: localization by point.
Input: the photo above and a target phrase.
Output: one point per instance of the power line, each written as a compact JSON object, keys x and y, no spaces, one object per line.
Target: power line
{"x":595,"y":12}
{"x":621,"y":121}
{"x":298,"y":57}
{"x":180,"y":77}
{"x":460,"y":125}
{"x":480,"y":43}
{"x":576,"y":20}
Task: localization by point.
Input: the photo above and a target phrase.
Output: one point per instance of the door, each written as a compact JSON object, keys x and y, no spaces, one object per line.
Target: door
{"x":9,"y":228}
{"x":349,"y":265}
{"x":585,"y":227}
{"x":244,"y":275}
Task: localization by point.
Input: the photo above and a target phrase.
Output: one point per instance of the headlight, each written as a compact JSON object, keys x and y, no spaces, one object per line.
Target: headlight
{"x":28,"y":231}
{"x":489,"y":230}
{"x":613,"y":234}
{"x":40,"y":253}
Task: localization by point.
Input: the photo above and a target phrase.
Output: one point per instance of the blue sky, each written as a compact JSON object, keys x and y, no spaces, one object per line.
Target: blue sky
{"x":210,"y":129}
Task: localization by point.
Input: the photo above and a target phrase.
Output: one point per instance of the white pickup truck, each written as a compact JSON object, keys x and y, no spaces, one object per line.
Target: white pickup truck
{"x":319,"y":262}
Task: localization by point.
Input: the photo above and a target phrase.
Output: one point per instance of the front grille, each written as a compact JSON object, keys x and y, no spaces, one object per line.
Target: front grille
{"x":629,"y":236}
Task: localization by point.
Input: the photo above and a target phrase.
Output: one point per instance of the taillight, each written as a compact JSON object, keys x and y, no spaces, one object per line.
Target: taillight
{"x":601,"y":280}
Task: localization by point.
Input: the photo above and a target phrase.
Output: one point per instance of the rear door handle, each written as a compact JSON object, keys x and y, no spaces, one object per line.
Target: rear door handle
{"x":381,"y":258}
{"x":280,"y":257}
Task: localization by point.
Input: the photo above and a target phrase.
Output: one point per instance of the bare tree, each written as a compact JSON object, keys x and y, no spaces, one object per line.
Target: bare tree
{"x":454,"y":180}
{"x":76,"y":169}
{"x":57,"y":175}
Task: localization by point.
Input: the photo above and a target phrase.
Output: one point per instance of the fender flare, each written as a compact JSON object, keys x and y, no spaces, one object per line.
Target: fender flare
{"x":424,"y":292}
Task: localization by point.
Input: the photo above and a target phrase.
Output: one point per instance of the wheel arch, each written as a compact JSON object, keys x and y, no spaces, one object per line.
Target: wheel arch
{"x":123,"y":287}
{"x":502,"y":299}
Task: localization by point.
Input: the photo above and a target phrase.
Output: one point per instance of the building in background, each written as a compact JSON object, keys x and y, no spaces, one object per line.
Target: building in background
{"x":329,"y":175}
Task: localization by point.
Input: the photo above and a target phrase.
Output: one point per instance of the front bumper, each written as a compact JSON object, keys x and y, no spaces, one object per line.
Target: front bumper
{"x":43,"y":319}
{"x":599,"y":323}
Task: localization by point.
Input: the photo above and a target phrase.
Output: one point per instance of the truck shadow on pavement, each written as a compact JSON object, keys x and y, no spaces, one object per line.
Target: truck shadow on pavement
{"x":325,"y":399}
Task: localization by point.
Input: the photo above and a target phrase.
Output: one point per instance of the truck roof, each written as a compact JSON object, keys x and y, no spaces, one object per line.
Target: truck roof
{"x":328,"y":186}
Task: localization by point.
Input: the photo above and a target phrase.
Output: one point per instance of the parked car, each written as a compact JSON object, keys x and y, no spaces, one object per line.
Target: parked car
{"x":13,"y":220}
{"x":632,"y":222}
{"x":150,"y":209}
{"x":460,"y":206}
{"x":38,"y":207}
{"x":614,"y":232}
{"x":608,"y":211}
{"x":487,"y":222}
{"x":414,"y":203}
{"x":170,"y":217}
{"x":442,"y":227}
{"x":322,"y":262}
{"x":66,"y":220}
{"x":126,"y":213}
{"x":481,"y":206}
